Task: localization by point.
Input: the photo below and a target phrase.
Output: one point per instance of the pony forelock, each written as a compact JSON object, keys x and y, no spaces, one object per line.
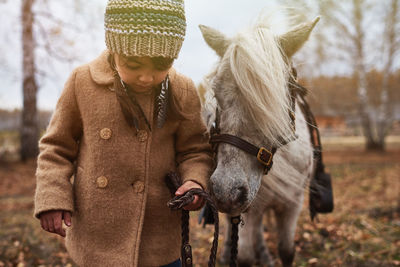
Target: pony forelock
{"x":261,"y":74}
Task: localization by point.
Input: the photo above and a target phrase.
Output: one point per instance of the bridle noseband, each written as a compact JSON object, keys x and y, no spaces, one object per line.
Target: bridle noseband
{"x":263,"y":155}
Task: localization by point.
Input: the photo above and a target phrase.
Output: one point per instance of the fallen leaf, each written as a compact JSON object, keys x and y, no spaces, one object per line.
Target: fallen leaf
{"x":313,"y":261}
{"x":307,"y":236}
{"x":396,"y":263}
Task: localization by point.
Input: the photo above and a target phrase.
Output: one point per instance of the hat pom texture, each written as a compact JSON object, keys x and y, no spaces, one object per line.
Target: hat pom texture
{"x":145,"y":27}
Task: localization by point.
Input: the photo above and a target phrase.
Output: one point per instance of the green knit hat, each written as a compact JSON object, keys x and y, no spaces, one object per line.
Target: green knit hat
{"x":145,"y":27}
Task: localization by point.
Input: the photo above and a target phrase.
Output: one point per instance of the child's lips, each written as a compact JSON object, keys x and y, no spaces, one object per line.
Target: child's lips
{"x":142,"y":87}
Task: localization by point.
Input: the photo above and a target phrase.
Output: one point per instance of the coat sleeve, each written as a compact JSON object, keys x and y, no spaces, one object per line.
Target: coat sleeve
{"x":58,"y":150}
{"x":193,"y":151}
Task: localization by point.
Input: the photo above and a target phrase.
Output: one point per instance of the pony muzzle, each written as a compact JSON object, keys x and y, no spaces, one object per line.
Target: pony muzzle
{"x":231,"y":200}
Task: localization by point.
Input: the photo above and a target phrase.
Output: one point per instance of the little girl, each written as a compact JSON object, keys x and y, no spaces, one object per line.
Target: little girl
{"x":122,"y":123}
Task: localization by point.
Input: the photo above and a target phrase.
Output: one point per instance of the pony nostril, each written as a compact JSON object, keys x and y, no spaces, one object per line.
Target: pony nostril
{"x":241,"y":194}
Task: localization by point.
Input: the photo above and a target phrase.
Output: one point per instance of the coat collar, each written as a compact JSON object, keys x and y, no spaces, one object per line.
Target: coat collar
{"x":102,"y":73}
{"x":100,"y":69}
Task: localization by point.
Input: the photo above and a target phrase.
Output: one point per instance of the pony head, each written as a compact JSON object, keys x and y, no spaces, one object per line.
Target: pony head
{"x":249,"y":86}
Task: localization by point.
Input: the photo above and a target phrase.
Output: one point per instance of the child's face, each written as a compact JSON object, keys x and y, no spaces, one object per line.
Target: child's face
{"x":140,"y":73}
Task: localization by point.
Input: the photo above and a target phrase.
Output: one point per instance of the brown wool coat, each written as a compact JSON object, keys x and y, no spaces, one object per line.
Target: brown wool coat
{"x":118,"y":196}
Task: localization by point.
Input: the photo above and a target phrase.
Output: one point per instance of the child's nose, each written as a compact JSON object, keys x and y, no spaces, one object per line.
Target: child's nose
{"x":146,"y":78}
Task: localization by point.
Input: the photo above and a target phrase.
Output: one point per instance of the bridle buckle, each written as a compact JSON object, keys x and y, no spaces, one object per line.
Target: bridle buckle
{"x":264,"y":156}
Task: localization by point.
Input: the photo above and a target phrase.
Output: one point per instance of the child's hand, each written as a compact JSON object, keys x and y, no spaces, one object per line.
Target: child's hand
{"x":198,"y":201}
{"x":51,"y":221}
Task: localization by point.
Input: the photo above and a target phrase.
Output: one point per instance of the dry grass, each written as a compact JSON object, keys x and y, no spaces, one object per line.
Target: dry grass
{"x":355,"y":142}
{"x":363,"y":230}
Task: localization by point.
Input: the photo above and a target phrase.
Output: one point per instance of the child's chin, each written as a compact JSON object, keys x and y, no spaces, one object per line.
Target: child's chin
{"x":139,"y":89}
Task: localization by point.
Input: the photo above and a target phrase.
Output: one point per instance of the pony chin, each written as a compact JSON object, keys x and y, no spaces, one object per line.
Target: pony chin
{"x":233,"y":210}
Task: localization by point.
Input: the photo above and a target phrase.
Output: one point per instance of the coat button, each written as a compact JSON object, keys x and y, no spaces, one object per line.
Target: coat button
{"x":142,"y":135}
{"x":105,"y":133}
{"x":138,"y":187}
{"x":102,"y":182}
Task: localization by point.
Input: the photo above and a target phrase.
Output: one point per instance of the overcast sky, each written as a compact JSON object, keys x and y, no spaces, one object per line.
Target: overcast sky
{"x":195,"y":60}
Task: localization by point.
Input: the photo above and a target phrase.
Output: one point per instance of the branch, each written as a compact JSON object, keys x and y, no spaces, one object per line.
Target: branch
{"x":343,"y":28}
{"x":345,"y":47}
{"x":47,"y":45}
{"x":41,"y":73}
{"x":390,"y":35}
{"x":50,"y":16}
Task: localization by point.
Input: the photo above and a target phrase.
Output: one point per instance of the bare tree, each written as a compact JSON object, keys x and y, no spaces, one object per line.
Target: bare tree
{"x":29,"y":128}
{"x":47,"y":38}
{"x":358,"y":56}
{"x":386,"y":118}
{"x":361,"y":41}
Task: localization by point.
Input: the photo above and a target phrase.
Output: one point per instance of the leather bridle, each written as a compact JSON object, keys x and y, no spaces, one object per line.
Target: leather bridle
{"x":263,"y":155}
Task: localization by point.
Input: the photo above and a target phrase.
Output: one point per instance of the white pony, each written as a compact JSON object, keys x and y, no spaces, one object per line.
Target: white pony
{"x":250,"y":88}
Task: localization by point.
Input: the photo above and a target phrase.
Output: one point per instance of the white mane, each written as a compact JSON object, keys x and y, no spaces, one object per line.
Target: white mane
{"x":261,"y":74}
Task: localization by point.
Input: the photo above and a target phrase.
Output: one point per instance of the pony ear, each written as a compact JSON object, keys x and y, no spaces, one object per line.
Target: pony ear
{"x":294,"y":39}
{"x":215,"y":39}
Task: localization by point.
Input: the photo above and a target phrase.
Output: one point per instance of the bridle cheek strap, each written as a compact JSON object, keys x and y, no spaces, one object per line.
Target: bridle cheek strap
{"x":263,"y":155}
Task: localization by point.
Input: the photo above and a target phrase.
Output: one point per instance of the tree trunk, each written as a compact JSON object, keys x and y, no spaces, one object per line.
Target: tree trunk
{"x":367,"y":123}
{"x":385,"y":118}
{"x":361,"y":76}
{"x":29,"y":129}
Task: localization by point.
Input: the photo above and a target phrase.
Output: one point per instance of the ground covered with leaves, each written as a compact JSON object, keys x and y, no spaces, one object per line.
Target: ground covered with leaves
{"x":364,"y":229}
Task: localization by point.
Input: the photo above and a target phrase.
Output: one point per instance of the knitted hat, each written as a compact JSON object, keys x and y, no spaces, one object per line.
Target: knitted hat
{"x":145,"y":27}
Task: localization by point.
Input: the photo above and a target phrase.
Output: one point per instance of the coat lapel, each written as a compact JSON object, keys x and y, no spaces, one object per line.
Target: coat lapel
{"x":100,"y":69}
